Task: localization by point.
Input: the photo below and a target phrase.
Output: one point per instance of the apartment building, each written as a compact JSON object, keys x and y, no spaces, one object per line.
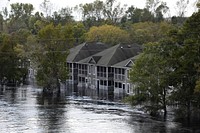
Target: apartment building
{"x":105,"y":71}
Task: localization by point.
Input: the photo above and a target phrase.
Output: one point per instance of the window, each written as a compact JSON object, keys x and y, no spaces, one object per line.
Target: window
{"x":105,"y":83}
{"x":119,"y":70}
{"x":123,"y":71}
{"x":110,"y":70}
{"x":118,"y":85}
{"x":79,"y":79}
{"x":128,"y":88}
{"x":110,"y":83}
{"x":101,"y":82}
{"x":101,"y":71}
{"x":120,"y":74}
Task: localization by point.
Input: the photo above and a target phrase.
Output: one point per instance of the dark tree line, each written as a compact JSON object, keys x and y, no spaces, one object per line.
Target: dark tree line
{"x":167,"y":71}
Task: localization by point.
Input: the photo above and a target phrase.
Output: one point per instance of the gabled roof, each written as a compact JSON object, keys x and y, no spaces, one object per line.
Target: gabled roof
{"x":129,"y":64}
{"x":108,"y":56}
{"x":85,"y":50}
{"x":92,"y":61}
{"x":126,"y":63}
{"x":118,"y":54}
{"x":114,"y":55}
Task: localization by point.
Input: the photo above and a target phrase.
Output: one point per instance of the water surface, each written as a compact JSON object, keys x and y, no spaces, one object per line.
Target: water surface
{"x":27,"y":110}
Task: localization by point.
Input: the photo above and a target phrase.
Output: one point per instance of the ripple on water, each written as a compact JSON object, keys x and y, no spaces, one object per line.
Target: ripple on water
{"x":28,"y":110}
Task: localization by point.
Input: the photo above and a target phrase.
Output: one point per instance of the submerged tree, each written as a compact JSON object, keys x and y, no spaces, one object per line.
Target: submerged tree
{"x":13,"y":69}
{"x":170,"y":66}
{"x":188,"y":65}
{"x":51,"y":58}
{"x":150,"y":75}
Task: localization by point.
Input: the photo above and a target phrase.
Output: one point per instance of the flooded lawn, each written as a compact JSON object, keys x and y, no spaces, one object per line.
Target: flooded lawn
{"x":27,"y":110}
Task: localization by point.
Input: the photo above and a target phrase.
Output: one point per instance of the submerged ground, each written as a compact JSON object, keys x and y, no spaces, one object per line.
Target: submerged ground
{"x":27,"y":109}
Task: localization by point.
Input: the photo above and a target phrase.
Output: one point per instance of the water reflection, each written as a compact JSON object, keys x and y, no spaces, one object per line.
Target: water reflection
{"x":52,"y":112}
{"x":28,"y":109}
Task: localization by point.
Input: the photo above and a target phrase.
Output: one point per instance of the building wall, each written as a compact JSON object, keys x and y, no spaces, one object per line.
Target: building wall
{"x":122,"y":84}
{"x":107,"y":82}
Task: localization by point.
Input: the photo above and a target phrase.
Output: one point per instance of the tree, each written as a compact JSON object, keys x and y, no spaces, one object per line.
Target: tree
{"x":99,"y":12}
{"x":198,"y":4}
{"x":188,"y":65}
{"x":33,"y":20}
{"x":92,"y":10}
{"x":145,"y":32}
{"x":181,"y":6}
{"x":51,"y":58}
{"x":107,"y":34}
{"x":150,"y":75}
{"x":112,"y":12}
{"x":158,"y":8}
{"x":136,"y":15}
{"x":63,"y":16}
{"x":46,"y":6}
{"x":12,"y":69}
{"x":1,"y":22}
{"x":79,"y":31}
{"x":19,"y":16}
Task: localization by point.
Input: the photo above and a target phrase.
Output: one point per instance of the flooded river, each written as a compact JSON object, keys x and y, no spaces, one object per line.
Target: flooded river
{"x":27,"y":110}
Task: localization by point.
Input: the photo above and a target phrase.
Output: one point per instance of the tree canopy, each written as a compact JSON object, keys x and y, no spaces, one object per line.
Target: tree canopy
{"x":169,"y":70}
{"x":108,"y":34}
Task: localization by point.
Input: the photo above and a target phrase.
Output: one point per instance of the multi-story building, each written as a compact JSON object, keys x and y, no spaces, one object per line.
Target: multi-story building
{"x":78,"y":53}
{"x":105,"y":72}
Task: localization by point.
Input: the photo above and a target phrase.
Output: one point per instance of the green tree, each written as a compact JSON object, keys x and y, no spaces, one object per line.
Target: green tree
{"x":79,"y":31}
{"x":136,"y":15}
{"x":187,"y":71}
{"x":99,"y":12}
{"x":33,"y":20}
{"x":63,"y":16}
{"x":145,"y":32}
{"x":19,"y":16}
{"x":92,"y":10}
{"x":92,"y":13}
{"x":12,"y":69}
{"x":1,"y":22}
{"x":54,"y":41}
{"x":151,"y":76}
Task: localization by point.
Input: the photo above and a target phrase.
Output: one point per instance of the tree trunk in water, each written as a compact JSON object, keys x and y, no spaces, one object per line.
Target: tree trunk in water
{"x":188,"y":111}
{"x":164,"y":104}
{"x":58,"y":86}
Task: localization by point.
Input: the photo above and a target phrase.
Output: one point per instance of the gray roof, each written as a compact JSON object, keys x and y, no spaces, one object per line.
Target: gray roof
{"x":85,"y":50}
{"x":114,"y":55}
{"x":126,"y":62}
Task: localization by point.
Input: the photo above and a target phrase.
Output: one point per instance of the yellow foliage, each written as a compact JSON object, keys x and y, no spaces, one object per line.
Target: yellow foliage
{"x":19,"y":49}
{"x":108,"y":34}
{"x":197,"y":87}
